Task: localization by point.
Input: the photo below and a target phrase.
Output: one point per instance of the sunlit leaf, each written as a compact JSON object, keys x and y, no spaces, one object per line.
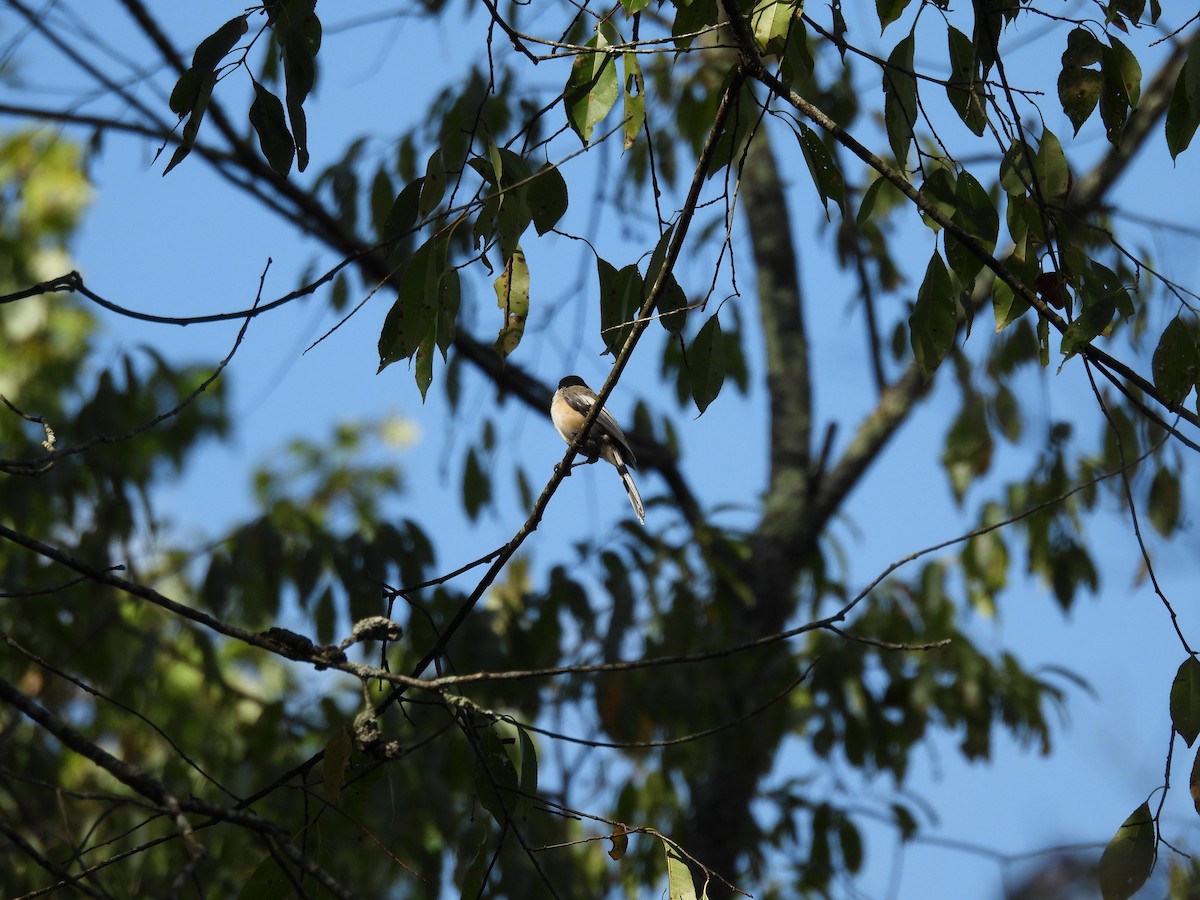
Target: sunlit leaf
{"x":1129,"y":857}
{"x":512,"y":296}
{"x":680,"y":885}
{"x":591,"y":88}
{"x":825,"y":174}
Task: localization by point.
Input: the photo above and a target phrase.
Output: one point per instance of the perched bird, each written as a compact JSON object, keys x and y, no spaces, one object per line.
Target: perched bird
{"x":572,"y":403}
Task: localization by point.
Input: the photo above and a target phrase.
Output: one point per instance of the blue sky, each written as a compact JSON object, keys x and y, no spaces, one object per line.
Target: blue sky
{"x":189,"y":244}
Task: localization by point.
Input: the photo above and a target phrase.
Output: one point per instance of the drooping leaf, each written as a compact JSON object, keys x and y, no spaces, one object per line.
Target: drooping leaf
{"x":900,"y":99}
{"x":495,"y":775}
{"x":938,"y":190}
{"x":1183,"y":115}
{"x":1121,"y":90}
{"x":889,"y":11}
{"x":433,"y":184}
{"x":270,"y":124}
{"x":672,"y":306}
{"x":213,"y":48}
{"x":1007,"y":305}
{"x":410,"y":317}
{"x":1079,"y":87}
{"x":1164,"y":503}
{"x":337,"y":755}
{"x":1050,"y":167}
{"x":771,"y":21}
{"x":1078,"y":92}
{"x":934,"y":317}
{"x":621,"y":295}
{"x":975,"y":213}
{"x":706,"y":363}
{"x":1175,"y":361}
{"x":825,"y":174}
{"x":1185,"y":700}
{"x":512,"y":296}
{"x":592,"y":87}
{"x":1194,"y":782}
{"x":477,"y":486}
{"x":402,"y":215}
{"x":546,"y":196}
{"x":1129,"y":857}
{"x":680,"y":885}
{"x":191,"y":128}
{"x":963,"y":88}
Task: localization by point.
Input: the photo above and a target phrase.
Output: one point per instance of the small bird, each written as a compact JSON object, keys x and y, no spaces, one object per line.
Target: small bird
{"x":572,"y":403}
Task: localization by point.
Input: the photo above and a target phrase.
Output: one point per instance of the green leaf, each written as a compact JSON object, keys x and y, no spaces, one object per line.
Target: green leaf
{"x":592,"y":88}
{"x":975,"y":214}
{"x":1129,"y":857}
{"x":825,"y":174}
{"x":213,"y":48}
{"x":1015,"y":175}
{"x":634,"y":6}
{"x":933,"y":319}
{"x":1183,"y":114}
{"x":1096,"y":316}
{"x":403,"y":213}
{"x":672,"y":306}
{"x":512,"y":296}
{"x":1082,"y":48}
{"x":658,"y":257}
{"x":938,"y":191}
{"x":968,"y":451}
{"x":266,"y":115}
{"x":433,"y":185}
{"x":191,"y":127}
{"x":408,"y":321}
{"x":679,"y":877}
{"x":1121,"y":89}
{"x":183,"y":95}
{"x":635,"y":98}
{"x":850,"y":842}
{"x":267,"y":882}
{"x":337,"y":755}
{"x":477,"y":487}
{"x":1007,"y":305}
{"x":423,"y":369}
{"x":1194,"y":783}
{"x":546,"y":197}
{"x":771,"y":20}
{"x":963,"y":88}
{"x":870,"y":195}
{"x":691,"y":18}
{"x":900,"y":98}
{"x":1175,"y":362}
{"x":889,"y":11}
{"x":495,"y":774}
{"x":1164,"y":504}
{"x":1079,"y":92}
{"x":1050,"y":166}
{"x":621,"y":295}
{"x":529,"y":763}
{"x":449,"y":297}
{"x":706,"y":362}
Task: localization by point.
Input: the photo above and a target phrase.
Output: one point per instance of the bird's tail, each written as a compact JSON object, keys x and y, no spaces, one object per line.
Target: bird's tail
{"x":631,"y":489}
